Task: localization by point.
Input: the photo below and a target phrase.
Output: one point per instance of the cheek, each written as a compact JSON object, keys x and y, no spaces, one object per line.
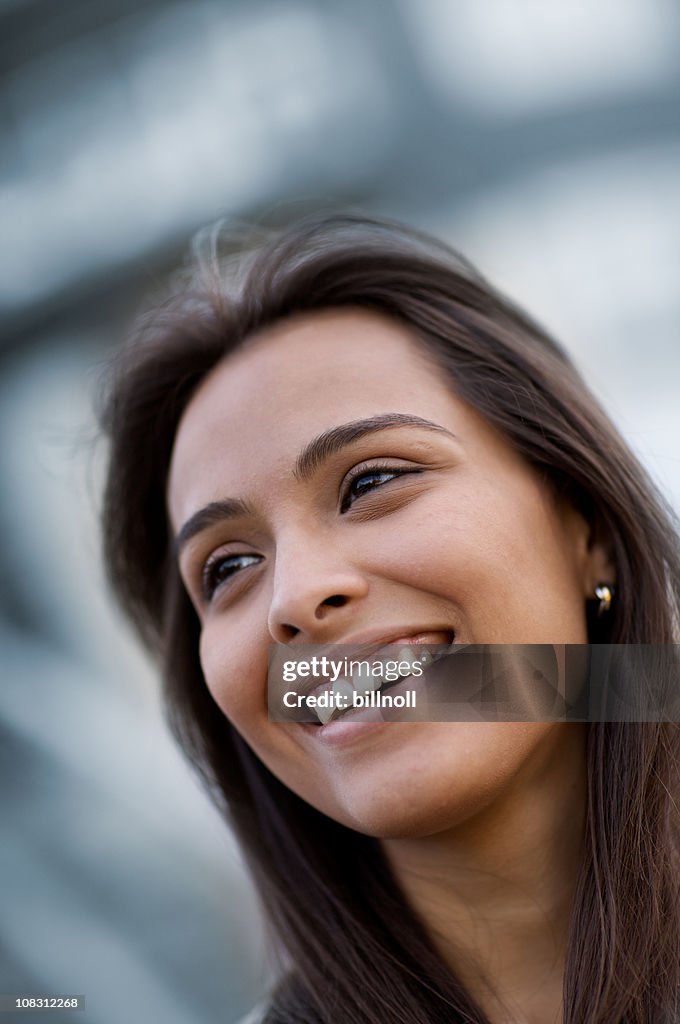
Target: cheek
{"x":460,"y":543}
{"x":496,"y":552}
{"x":235,"y":672}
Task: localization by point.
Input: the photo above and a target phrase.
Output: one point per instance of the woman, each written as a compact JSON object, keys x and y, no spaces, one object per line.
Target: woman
{"x":349,"y":437}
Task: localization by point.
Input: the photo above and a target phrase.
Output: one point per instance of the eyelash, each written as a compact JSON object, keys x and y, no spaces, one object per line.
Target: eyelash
{"x":209,"y":576}
{"x":371,"y":471}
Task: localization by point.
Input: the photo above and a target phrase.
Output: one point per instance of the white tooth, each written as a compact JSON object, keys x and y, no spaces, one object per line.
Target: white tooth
{"x":425,"y":658}
{"x":359,"y":681}
{"x":364,"y":682}
{"x":346,"y":690}
{"x":407,"y":657}
{"x":324,"y":714}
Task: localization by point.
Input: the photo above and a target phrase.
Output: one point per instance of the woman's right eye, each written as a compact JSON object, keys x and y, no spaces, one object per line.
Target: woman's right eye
{"x":221,"y":568}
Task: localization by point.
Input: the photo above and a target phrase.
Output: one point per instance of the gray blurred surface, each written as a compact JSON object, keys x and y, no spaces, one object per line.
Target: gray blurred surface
{"x":542,"y":140}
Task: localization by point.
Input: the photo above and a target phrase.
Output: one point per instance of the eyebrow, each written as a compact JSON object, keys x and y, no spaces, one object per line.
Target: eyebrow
{"x":308,"y":461}
{"x":209,"y":515}
{"x":333,"y":440}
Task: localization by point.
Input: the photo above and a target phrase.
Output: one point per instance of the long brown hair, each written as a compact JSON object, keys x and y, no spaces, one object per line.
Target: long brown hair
{"x":354,"y":951}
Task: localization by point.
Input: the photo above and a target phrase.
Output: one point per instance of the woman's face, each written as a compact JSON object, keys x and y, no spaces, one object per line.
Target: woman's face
{"x":412,"y":519}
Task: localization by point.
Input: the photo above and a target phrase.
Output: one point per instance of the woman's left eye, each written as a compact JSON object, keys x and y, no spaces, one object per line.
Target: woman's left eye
{"x":370,"y":480}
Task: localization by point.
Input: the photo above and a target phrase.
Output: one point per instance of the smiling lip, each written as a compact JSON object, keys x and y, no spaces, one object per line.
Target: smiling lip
{"x":370,"y":644}
{"x":371,"y":647}
{"x":349,"y":728}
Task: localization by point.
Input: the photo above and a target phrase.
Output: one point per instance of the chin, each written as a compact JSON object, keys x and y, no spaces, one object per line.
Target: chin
{"x":406,"y":804}
{"x":373,"y":815}
{"x":454,"y":773}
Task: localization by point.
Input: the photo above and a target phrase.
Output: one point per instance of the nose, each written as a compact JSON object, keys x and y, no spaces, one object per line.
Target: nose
{"x":315,"y":593}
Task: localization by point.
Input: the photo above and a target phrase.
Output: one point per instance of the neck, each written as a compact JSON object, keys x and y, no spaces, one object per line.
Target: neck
{"x":495,"y":893}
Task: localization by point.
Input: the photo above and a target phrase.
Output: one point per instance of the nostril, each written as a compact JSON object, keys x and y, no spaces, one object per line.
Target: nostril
{"x":287,"y":631}
{"x":335,"y":601}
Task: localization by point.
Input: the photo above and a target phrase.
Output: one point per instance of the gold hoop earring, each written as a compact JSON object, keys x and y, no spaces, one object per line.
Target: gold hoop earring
{"x":604,"y":592}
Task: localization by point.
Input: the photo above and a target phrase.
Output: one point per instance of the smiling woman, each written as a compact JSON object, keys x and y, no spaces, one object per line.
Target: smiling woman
{"x":363,"y":444}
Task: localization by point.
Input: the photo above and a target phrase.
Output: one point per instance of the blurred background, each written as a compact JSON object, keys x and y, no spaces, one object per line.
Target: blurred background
{"x":542,"y":139}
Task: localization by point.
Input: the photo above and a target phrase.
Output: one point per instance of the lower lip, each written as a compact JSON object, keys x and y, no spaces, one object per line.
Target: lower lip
{"x":355,"y":725}
{"x":343,"y":731}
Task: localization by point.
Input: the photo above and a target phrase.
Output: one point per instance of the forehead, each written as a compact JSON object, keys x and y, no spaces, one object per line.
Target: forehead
{"x":261,"y":405}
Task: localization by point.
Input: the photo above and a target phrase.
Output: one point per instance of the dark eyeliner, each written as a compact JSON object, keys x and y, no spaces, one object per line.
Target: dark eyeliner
{"x":394,"y":472}
{"x":209,"y":580}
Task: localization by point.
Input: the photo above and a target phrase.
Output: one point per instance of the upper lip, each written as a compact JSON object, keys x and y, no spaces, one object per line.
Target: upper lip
{"x":369,"y":643}
{"x":365,"y":645}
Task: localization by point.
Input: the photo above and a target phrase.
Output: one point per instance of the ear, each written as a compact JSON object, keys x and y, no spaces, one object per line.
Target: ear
{"x":592,"y":551}
{"x":601,"y":568}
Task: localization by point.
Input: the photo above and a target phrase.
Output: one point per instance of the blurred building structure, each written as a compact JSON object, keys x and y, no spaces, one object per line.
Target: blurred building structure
{"x":540,"y":139}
